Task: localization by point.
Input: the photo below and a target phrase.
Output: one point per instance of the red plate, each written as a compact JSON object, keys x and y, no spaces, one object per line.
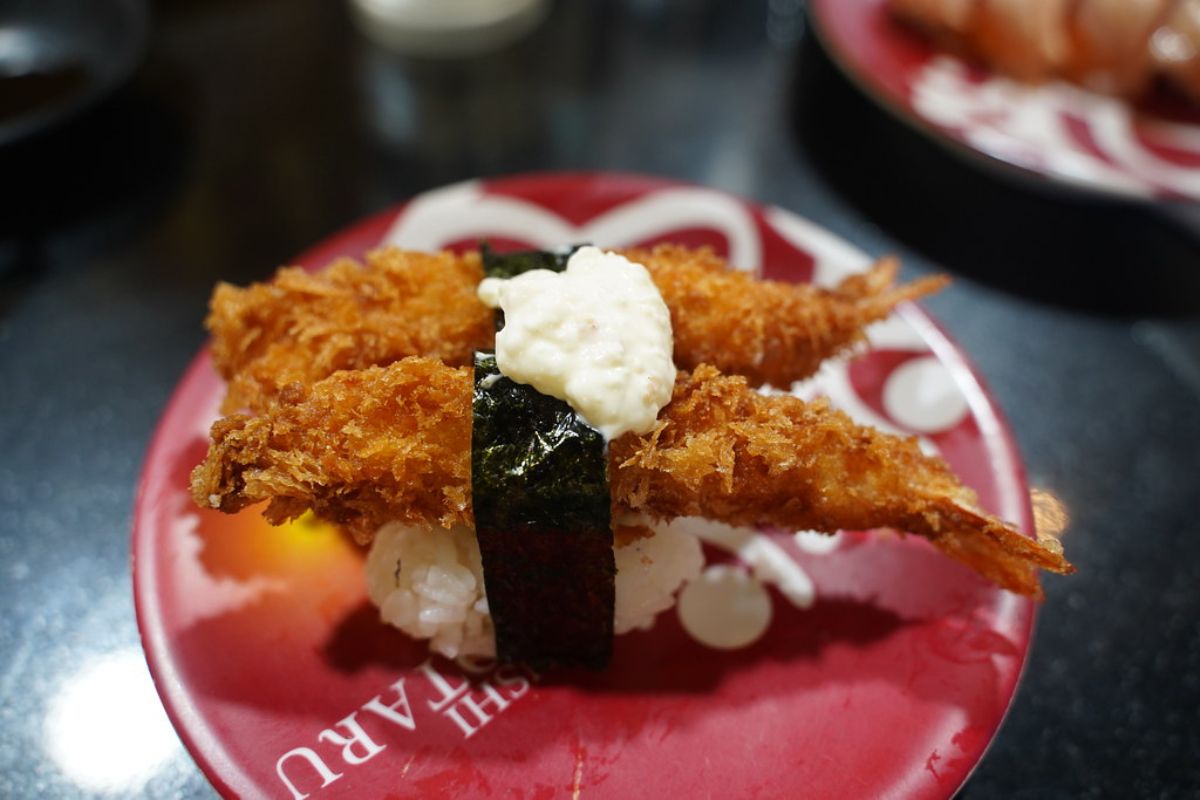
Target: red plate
{"x":1057,"y":131}
{"x":273,"y":665}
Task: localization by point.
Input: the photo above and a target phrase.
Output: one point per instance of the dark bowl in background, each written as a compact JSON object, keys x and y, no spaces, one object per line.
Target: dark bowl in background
{"x":59,"y":57}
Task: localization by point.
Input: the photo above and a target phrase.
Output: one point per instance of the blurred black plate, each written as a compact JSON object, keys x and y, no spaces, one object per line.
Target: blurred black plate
{"x":58,"y":57}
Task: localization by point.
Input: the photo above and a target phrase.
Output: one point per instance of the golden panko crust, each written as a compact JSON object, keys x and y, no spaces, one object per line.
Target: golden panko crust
{"x":364,"y":447}
{"x":767,"y":331}
{"x":299,"y":327}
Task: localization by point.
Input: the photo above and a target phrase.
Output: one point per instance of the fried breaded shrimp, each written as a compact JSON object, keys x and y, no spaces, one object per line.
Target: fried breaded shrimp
{"x":725,"y":452}
{"x":1110,"y":37}
{"x":365,"y":447}
{"x":1117,"y":47}
{"x":301,"y":327}
{"x":1027,"y":39}
{"x":767,"y":331}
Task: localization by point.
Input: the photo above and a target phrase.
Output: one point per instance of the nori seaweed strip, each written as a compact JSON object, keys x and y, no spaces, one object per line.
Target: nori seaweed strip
{"x":510,"y":265}
{"x":542,"y":506}
{"x":541,"y":498}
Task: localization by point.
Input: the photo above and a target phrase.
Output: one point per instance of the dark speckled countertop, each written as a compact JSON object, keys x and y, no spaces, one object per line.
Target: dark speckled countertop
{"x":255,"y":128}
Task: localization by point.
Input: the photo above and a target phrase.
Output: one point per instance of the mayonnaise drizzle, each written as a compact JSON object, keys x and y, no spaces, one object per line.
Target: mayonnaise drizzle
{"x":597,"y":336}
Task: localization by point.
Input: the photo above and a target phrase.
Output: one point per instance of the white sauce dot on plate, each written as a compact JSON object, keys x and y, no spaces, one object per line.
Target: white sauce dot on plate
{"x":922,"y":396}
{"x":818,"y":544}
{"x":725,"y":608}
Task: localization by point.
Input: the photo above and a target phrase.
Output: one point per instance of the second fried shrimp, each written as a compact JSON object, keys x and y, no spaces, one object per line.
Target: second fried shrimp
{"x":301,"y":327}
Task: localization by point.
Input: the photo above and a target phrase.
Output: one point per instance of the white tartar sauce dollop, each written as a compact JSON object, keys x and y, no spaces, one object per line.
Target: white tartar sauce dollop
{"x":597,"y":336}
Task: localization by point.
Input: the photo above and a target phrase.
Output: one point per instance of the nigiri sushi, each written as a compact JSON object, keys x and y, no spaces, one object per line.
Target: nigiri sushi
{"x":421,"y":449}
{"x":1116,"y":47}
